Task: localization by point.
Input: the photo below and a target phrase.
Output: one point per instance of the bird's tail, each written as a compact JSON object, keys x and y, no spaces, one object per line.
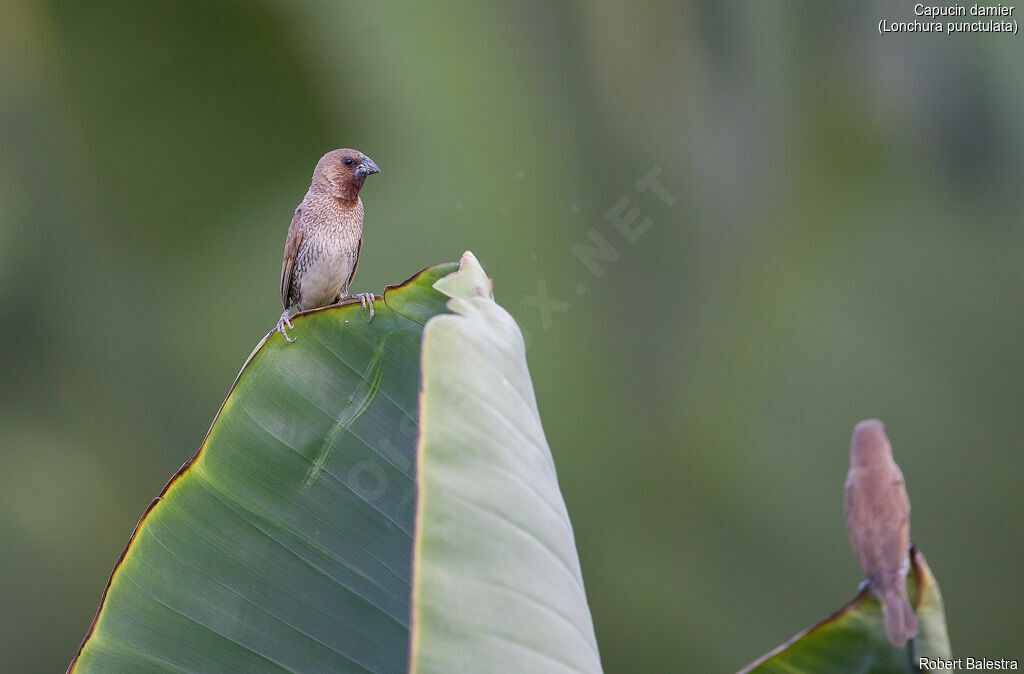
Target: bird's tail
{"x":900,"y":621}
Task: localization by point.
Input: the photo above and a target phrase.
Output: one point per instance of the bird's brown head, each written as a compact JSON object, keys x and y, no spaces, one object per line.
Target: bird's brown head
{"x":341,"y":173}
{"x":869,"y":444}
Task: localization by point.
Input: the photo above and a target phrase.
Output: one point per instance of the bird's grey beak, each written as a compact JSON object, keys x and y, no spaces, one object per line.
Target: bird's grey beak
{"x":366,"y":168}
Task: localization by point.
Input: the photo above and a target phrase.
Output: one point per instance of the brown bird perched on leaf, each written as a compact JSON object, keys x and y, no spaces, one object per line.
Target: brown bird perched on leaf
{"x":325,"y":237}
{"x":878,"y":517}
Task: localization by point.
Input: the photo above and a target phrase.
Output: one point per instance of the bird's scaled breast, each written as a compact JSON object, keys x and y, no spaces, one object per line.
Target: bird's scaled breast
{"x":325,"y":266}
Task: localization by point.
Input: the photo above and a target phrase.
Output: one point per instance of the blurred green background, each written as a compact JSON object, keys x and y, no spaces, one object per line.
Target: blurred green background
{"x":845,"y":241}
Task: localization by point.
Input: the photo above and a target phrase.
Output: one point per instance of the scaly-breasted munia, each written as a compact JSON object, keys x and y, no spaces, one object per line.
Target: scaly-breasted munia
{"x":878,"y":516}
{"x":325,"y":237}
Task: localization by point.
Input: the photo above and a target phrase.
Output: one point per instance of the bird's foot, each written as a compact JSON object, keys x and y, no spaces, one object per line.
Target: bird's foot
{"x":366,"y":300}
{"x":284,"y":325}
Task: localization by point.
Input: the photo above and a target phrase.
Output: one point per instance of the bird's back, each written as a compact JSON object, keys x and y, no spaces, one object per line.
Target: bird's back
{"x":877,"y":515}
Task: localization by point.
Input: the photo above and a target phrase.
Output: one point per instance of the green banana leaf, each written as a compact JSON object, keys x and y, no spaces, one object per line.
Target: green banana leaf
{"x":497,"y":584}
{"x":853,"y":638}
{"x":287,"y":542}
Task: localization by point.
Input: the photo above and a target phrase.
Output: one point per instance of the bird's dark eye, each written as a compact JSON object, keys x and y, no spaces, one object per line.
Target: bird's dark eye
{"x":347,"y":161}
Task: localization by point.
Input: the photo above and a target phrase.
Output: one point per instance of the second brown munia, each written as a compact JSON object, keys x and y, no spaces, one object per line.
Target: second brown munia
{"x":325,"y":237}
{"x":878,"y":516}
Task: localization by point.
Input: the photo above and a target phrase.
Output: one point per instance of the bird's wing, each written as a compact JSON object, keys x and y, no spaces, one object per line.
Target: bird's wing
{"x":849,"y":505}
{"x":291,"y":249}
{"x":877,"y":513}
{"x":895,"y":549}
{"x":860,"y":520}
{"x":355,"y":264}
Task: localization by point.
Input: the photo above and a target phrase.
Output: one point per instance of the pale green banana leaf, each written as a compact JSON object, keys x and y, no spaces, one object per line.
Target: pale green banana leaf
{"x":498,"y":586}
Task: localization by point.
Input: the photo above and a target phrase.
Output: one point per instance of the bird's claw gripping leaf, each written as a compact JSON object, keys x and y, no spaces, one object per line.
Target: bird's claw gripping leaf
{"x":285,"y":324}
{"x":366,"y":300}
